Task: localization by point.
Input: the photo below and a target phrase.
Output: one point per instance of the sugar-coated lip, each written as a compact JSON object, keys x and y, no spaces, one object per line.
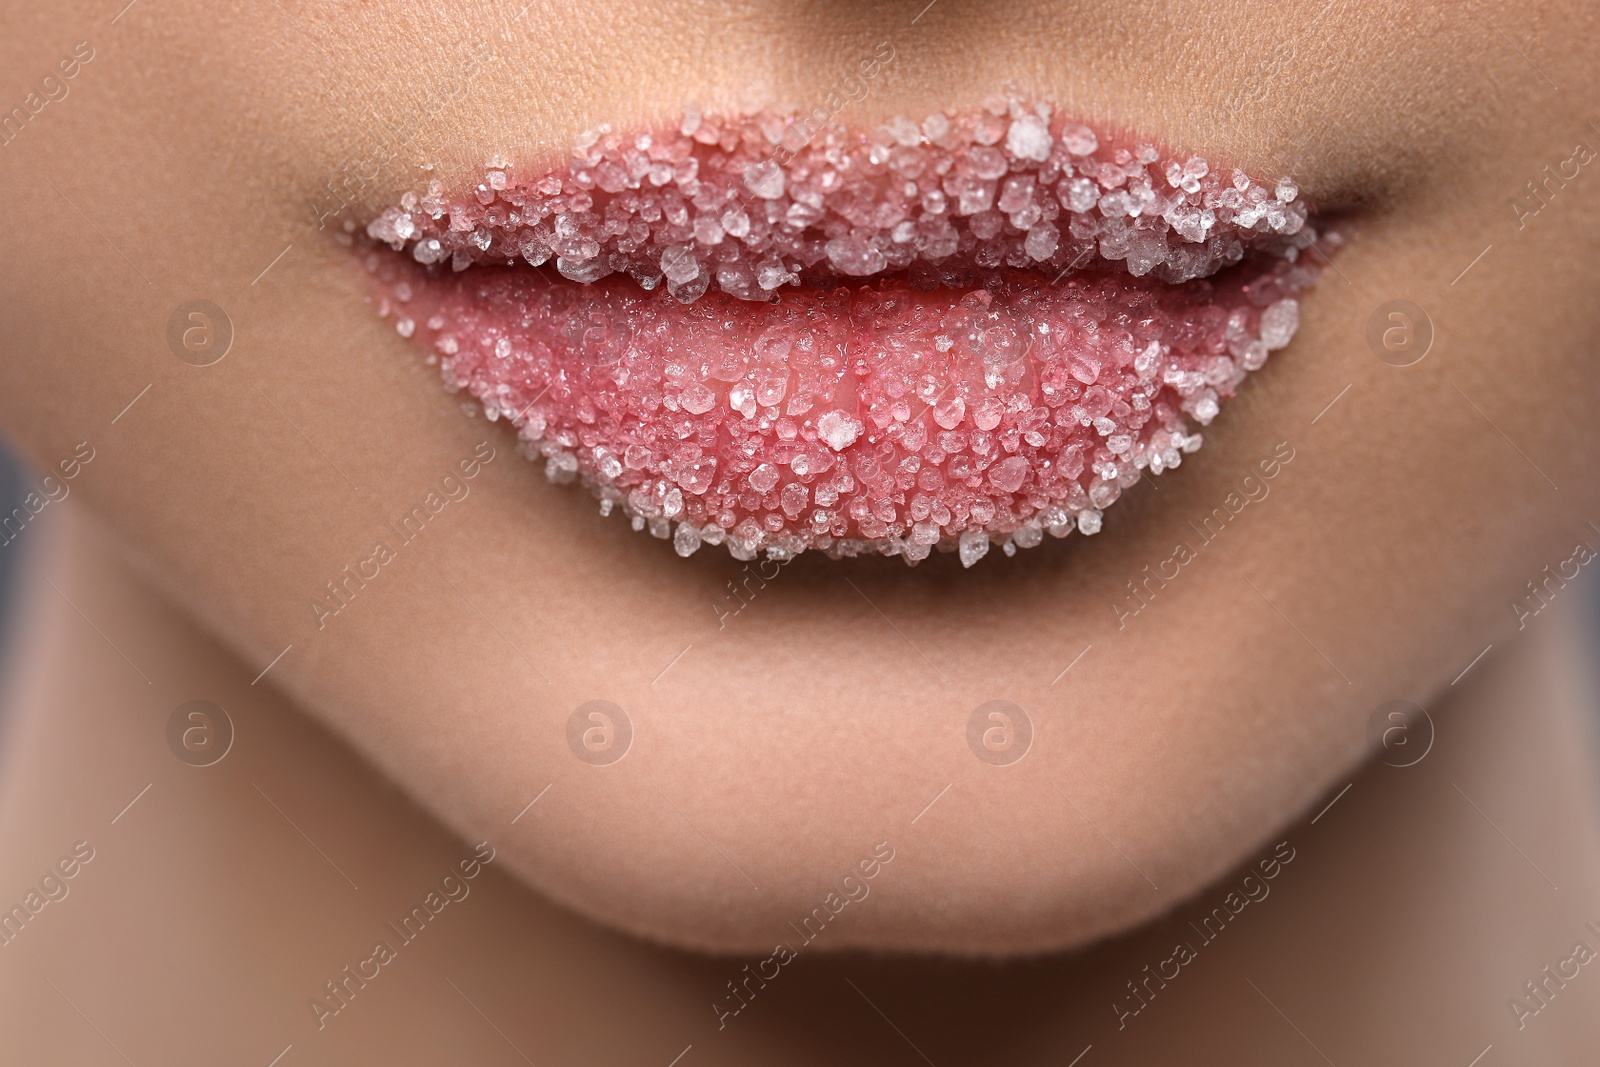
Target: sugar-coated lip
{"x":749,"y":331}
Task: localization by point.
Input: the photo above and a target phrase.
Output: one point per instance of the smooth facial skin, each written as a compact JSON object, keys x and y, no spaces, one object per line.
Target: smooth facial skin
{"x":772,"y":754}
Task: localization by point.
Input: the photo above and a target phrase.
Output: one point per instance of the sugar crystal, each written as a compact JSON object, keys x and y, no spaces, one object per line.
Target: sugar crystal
{"x":977,"y":328}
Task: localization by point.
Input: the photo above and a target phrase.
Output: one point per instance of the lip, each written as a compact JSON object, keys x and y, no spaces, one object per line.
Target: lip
{"x":942,"y":335}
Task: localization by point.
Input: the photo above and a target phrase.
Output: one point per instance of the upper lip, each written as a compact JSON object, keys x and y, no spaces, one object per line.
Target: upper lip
{"x":1002,"y":203}
{"x":541,"y":217}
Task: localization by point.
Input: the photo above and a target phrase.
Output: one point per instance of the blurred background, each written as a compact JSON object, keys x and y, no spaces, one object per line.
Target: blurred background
{"x":12,"y":490}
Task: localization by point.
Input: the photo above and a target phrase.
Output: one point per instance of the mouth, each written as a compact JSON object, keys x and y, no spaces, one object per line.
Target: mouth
{"x":751,"y":332}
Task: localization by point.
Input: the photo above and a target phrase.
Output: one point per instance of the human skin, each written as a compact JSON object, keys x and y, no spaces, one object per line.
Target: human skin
{"x":772,"y":754}
{"x":1418,"y":902}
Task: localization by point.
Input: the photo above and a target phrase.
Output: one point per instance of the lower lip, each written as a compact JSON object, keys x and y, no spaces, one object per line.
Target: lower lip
{"x":874,"y":416}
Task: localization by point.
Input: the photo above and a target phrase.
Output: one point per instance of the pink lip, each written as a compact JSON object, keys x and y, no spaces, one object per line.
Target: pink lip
{"x":976,"y":329}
